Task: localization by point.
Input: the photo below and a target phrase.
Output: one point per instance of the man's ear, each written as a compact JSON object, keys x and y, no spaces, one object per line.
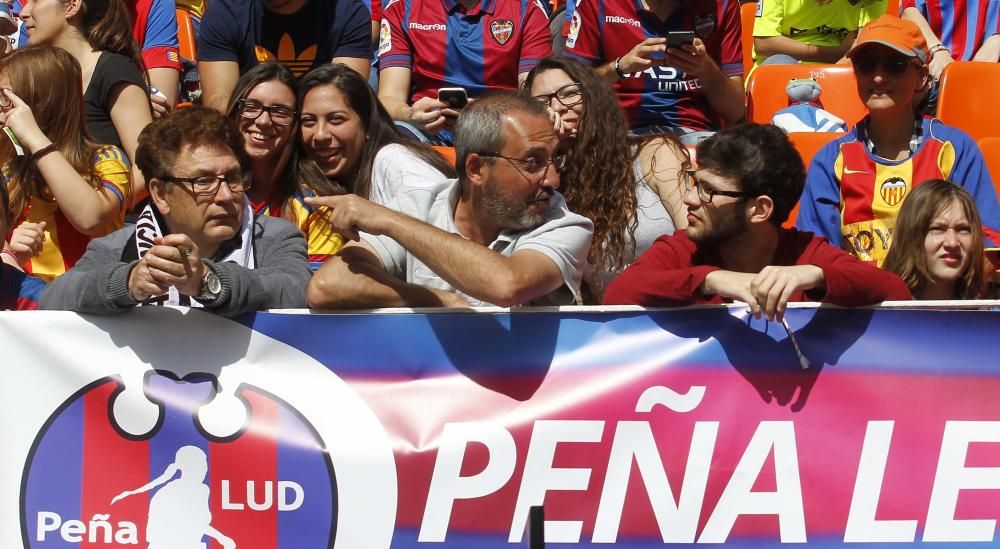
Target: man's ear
{"x":158,"y":195}
{"x":760,"y":209}
{"x":474,"y":169}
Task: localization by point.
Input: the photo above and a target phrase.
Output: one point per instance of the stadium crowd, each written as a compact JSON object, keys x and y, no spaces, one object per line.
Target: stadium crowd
{"x":343,"y":154}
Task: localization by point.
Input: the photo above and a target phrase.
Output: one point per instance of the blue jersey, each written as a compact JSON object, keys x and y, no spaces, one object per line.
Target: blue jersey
{"x":853,"y":197}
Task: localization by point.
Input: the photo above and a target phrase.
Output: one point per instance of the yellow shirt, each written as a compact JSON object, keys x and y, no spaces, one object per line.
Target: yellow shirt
{"x":64,"y":245}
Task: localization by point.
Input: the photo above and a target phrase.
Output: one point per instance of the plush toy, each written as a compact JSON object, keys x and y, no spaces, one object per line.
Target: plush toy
{"x":804,"y":113}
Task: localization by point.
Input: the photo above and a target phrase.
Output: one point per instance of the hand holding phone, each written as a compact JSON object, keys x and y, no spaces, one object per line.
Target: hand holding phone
{"x":676,"y":39}
{"x":455,"y":98}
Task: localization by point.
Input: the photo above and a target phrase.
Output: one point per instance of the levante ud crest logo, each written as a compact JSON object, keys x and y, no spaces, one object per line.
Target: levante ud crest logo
{"x":502,"y":30}
{"x":206,"y":457}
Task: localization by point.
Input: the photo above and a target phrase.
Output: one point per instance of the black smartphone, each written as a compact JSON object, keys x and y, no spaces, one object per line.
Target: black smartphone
{"x":455,"y":98}
{"x":676,"y":39}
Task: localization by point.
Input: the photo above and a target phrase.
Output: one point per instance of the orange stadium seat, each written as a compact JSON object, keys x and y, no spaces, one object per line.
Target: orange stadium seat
{"x":748,"y":12}
{"x":966,"y":99}
{"x":448,"y":153}
{"x":766,"y":90}
{"x":808,"y":144}
{"x":185,"y":33}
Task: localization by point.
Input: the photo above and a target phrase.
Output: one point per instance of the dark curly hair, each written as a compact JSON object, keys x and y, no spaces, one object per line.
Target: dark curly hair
{"x":762,"y":159}
{"x":599,"y":180}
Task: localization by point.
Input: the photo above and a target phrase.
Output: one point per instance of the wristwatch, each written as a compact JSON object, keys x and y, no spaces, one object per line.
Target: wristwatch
{"x":211,"y":286}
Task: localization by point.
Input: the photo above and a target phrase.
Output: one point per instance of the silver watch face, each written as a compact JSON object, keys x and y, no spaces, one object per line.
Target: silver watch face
{"x":212,"y":283}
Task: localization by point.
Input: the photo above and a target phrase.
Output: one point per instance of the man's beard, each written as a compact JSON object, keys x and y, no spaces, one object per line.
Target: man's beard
{"x":509,"y":214}
{"x":727,"y":229}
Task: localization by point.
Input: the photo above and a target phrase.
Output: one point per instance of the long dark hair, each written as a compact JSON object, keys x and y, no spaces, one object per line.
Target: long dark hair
{"x":599,"y":181}
{"x":379,"y":128}
{"x":907,"y":257}
{"x":107,"y":27}
{"x":295,"y":171}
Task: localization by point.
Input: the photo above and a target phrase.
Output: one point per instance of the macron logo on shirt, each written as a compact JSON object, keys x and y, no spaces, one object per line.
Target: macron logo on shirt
{"x":621,"y":20}
{"x":432,"y":27}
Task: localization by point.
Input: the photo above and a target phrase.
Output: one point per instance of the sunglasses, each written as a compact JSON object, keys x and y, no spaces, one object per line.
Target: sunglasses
{"x":894,"y":65}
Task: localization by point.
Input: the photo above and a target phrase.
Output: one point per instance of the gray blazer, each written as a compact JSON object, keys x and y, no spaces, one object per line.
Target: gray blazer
{"x":98,"y":283}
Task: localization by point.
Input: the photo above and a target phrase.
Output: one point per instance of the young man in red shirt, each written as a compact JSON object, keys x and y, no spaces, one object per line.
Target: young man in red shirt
{"x":749,"y":177}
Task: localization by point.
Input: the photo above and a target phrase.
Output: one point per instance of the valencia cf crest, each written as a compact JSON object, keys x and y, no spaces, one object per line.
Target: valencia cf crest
{"x":502,"y":30}
{"x":704,"y":25}
{"x":893,"y":190}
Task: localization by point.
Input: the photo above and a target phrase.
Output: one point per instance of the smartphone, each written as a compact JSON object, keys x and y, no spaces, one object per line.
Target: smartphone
{"x":456,"y":98}
{"x":676,"y":39}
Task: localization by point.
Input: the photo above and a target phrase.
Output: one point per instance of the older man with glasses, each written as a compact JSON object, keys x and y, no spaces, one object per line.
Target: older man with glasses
{"x":498,"y":235}
{"x":734,"y":248}
{"x":857,"y":183}
{"x":197,"y":243}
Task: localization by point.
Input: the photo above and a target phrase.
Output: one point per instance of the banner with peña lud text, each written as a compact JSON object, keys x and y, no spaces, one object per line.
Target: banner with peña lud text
{"x":170,"y":428}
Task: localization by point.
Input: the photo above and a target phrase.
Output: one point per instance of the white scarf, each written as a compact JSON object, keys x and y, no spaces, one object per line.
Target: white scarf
{"x":147,"y":228}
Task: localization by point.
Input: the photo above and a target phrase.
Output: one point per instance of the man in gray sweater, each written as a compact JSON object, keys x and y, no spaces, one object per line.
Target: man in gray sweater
{"x":197,"y":242}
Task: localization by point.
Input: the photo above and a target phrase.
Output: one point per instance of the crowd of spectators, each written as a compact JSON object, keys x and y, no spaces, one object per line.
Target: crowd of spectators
{"x":473,"y":167}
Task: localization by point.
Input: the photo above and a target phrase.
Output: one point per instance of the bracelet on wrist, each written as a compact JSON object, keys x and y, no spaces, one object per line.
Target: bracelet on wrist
{"x":43,"y":151}
{"x":10,"y":254}
{"x":618,"y":68}
{"x":939,"y":47}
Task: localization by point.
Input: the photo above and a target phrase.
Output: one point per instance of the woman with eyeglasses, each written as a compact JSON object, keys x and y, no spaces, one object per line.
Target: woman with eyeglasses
{"x":64,"y":189}
{"x":351,"y":138}
{"x":937,"y":246}
{"x":98,"y":34}
{"x":264,"y":106}
{"x":858,"y":183}
{"x":629,"y":187}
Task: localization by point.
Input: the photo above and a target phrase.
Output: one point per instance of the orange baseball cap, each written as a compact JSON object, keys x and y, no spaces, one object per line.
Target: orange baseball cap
{"x":898,"y":34}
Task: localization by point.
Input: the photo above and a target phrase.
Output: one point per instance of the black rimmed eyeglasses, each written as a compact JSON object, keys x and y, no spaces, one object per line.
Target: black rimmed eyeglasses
{"x":251,"y":109}
{"x":569,"y":95}
{"x":208,"y":185}
{"x":705,"y":194}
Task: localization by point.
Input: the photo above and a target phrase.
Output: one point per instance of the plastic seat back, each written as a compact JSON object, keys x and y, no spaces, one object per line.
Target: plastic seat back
{"x":808,"y":144}
{"x":766,"y":91}
{"x":966,"y":98}
{"x":748,"y":13}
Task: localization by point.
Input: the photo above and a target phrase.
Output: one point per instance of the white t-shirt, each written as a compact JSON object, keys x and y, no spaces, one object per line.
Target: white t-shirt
{"x":564,"y":237}
{"x":396,"y":167}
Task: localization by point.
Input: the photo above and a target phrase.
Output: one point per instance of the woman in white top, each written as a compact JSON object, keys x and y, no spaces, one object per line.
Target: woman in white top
{"x":630,"y":187}
{"x":350,"y":136}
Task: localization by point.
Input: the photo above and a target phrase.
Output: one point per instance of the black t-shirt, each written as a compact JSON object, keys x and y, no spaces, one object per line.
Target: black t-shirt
{"x":111,"y":70}
{"x":291,"y":39}
{"x":242,"y":31}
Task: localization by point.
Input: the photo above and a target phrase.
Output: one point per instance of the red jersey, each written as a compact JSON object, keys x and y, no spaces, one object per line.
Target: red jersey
{"x":154,"y":25}
{"x":603,"y":30}
{"x":670,"y":273}
{"x":479,"y":49}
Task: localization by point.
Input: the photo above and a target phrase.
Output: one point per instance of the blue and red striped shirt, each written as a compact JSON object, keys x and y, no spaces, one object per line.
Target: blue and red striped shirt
{"x":602,"y":30}
{"x":962,"y":26}
{"x":479,"y":49}
{"x":18,"y":291}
